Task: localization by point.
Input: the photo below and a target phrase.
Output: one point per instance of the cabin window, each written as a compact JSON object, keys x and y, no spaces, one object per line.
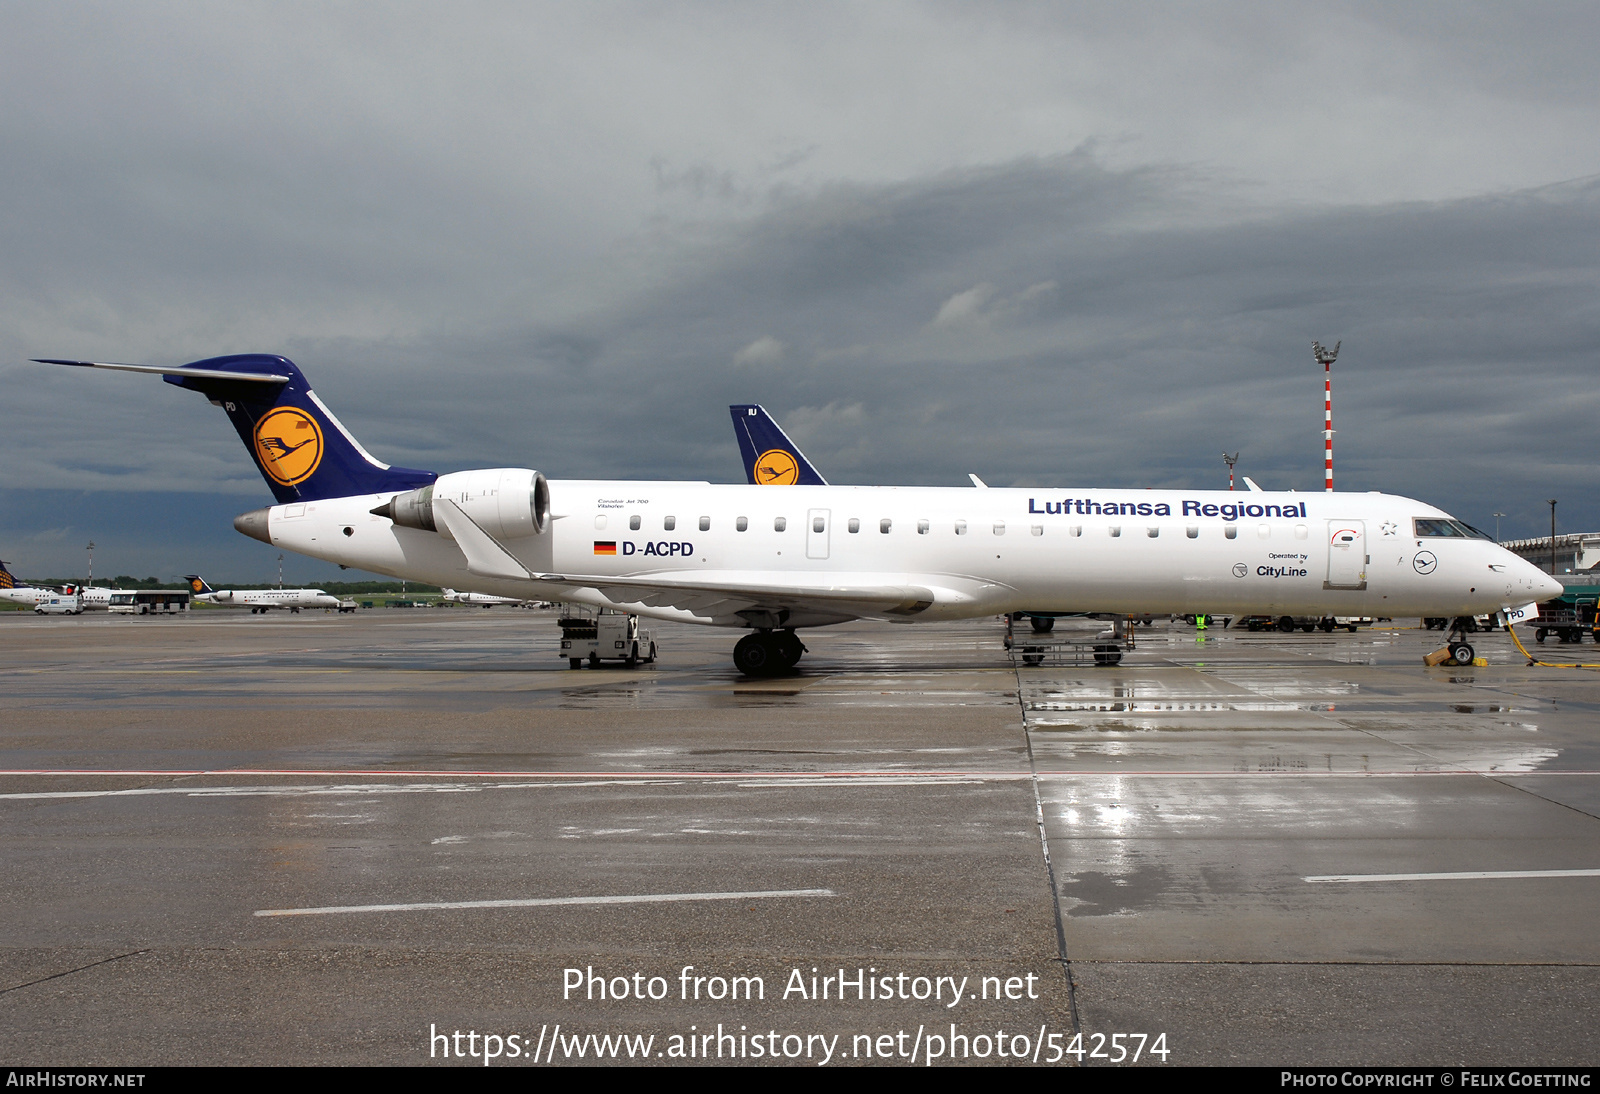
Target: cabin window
{"x":1115,"y":530}
{"x":1075,"y":530}
{"x":779,"y":523}
{"x":999,"y":527}
{"x":669,"y":524}
{"x":1264,"y":531}
{"x":922,"y":527}
{"x":1152,"y":532}
{"x":1037,"y":529}
{"x":633,"y":523}
{"x":705,"y":524}
{"x":741,"y":524}
{"x":1193,"y":531}
{"x":854,"y":525}
{"x":1299,"y":531}
{"x":884,"y":525}
{"x":817,"y":524}
{"x":961,"y":527}
{"x":1231,"y":532}
{"x":599,"y":521}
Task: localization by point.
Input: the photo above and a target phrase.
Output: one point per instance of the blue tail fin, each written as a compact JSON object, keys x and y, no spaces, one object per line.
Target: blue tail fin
{"x":197,"y":585}
{"x":301,"y":449}
{"x":770,"y":457}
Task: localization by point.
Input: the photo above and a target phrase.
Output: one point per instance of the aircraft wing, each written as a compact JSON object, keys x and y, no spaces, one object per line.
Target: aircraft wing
{"x":740,"y":593}
{"x":727,"y":596}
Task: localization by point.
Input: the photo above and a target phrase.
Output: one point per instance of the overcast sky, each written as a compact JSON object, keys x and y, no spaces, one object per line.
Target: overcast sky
{"x":1075,"y":244}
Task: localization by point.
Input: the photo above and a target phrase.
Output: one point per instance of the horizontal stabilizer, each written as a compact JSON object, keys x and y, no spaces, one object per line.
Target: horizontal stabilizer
{"x":174,"y":370}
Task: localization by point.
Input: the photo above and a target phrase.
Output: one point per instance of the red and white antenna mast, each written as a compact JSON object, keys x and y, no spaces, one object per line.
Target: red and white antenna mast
{"x":1326,"y":358}
{"x":1230,"y":461}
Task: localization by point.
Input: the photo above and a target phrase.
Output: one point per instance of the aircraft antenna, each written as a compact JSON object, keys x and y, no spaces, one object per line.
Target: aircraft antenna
{"x":1230,"y":461}
{"x":1326,"y":357}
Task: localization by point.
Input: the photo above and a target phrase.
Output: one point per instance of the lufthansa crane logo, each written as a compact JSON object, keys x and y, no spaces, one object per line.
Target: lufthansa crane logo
{"x":197,"y":585}
{"x":288,"y":445}
{"x":775,"y":467}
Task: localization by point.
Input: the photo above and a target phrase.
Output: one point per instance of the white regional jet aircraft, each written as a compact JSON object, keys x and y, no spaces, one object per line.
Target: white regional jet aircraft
{"x":482,"y":600}
{"x":260,"y":600}
{"x":772,"y":561}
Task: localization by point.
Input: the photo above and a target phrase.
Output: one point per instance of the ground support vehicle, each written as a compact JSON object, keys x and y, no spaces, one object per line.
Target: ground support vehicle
{"x":607,"y":635}
{"x":65,"y":604}
{"x":1106,"y":648}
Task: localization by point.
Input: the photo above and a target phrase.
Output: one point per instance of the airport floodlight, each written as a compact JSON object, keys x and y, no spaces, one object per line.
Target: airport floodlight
{"x":91,"y":563}
{"x":1552,"y":535}
{"x":1497,"y":517}
{"x":1326,"y":357}
{"x":1230,"y":461}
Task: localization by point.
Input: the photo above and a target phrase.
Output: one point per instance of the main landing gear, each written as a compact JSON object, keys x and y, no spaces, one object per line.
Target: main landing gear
{"x":767,"y":653}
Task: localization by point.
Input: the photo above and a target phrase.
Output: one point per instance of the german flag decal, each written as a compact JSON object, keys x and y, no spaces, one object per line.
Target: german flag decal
{"x":605,"y":547}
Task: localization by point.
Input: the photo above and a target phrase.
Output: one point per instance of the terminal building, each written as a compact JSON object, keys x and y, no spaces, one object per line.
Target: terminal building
{"x":1574,"y":552}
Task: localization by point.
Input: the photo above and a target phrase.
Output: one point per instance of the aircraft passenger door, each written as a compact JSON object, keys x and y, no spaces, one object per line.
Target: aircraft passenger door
{"x":817,"y":533}
{"x":1347,"y":555}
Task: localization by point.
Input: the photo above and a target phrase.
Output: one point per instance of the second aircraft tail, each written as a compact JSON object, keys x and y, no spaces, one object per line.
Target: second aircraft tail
{"x":770,"y":457}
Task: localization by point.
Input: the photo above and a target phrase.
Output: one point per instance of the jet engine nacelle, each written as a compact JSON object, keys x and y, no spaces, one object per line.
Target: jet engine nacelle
{"x":506,"y":502}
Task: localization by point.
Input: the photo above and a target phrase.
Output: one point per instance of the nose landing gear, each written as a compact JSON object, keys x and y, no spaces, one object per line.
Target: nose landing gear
{"x":768,"y":653}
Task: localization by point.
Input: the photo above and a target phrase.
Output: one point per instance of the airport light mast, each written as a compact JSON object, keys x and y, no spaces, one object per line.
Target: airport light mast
{"x":1230,"y":461}
{"x":1552,"y":537}
{"x":91,"y":562}
{"x":1326,"y":357}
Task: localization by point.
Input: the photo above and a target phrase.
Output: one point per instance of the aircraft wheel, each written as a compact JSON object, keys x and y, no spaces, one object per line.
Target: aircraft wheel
{"x":1461,"y":653}
{"x":1286,"y":625}
{"x":1043,"y":624}
{"x":757,"y":655}
{"x":1031,"y":655}
{"x":789,"y":647}
{"x":574,"y":662}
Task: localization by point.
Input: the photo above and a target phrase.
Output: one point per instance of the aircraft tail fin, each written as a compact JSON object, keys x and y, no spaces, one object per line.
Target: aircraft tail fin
{"x":300,"y":448}
{"x":770,"y":457}
{"x":6,"y":580}
{"x":197,"y":585}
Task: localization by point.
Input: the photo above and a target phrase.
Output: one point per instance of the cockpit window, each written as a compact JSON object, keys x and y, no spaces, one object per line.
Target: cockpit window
{"x":1435,"y":528}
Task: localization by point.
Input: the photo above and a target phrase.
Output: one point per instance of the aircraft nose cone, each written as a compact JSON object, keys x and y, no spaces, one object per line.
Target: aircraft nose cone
{"x":1547,"y":587}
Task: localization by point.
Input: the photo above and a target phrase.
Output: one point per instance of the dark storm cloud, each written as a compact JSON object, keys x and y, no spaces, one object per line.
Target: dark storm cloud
{"x":568,"y":237}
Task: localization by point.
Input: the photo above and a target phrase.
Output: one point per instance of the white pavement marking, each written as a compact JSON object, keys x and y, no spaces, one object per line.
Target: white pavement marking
{"x":1470,"y":875}
{"x":549,"y":902}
